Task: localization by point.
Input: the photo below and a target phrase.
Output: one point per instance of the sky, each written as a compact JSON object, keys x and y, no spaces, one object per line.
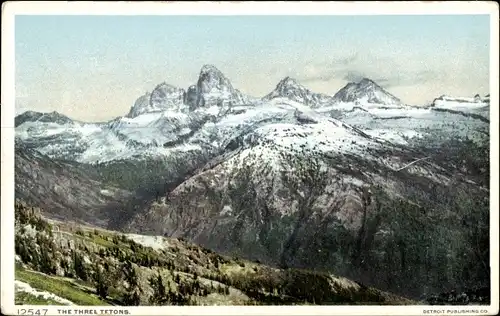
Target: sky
{"x":93,"y":68}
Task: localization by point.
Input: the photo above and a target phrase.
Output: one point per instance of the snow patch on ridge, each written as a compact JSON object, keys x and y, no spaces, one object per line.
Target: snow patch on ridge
{"x":25,"y":287}
{"x":155,"y":242}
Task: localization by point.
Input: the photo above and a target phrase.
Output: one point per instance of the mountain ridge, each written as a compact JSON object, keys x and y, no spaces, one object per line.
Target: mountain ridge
{"x":291,"y":180}
{"x":168,"y":97}
{"x":292,"y":89}
{"x":368,"y":90}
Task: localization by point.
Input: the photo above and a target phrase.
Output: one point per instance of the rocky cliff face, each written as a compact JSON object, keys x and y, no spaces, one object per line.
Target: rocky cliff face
{"x":281,"y":179}
{"x":214,"y":89}
{"x":211,"y":89}
{"x":65,"y":189}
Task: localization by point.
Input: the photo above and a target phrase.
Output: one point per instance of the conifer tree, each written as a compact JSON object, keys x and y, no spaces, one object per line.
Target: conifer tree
{"x":132,"y":295}
{"x":46,"y":261}
{"x":79,"y":266}
{"x":101,"y":282}
{"x":22,"y":249}
{"x":160,"y":296}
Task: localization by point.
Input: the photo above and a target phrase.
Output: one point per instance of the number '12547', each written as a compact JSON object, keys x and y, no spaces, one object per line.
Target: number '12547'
{"x":32,"y":311}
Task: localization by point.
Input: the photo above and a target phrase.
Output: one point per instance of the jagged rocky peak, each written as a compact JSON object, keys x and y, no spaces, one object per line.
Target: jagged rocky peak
{"x":163,"y":97}
{"x":166,"y":96}
{"x":140,"y":106}
{"x":290,"y":88}
{"x":366,"y":90}
{"x":367,"y":81}
{"x":212,"y":78}
{"x":191,"y":97}
{"x":213,"y":88}
{"x":287,"y":87}
{"x":288,"y":82}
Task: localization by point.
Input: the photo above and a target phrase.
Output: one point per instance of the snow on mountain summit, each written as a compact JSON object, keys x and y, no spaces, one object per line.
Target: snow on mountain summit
{"x":140,"y":106}
{"x":212,"y":113}
{"x":167,"y":96}
{"x":366,"y":91}
{"x":211,"y":89}
{"x":163,"y":97}
{"x":212,"y":78}
{"x":291,"y":89}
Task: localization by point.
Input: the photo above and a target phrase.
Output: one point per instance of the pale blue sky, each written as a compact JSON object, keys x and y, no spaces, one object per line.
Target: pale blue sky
{"x":94,"y":67}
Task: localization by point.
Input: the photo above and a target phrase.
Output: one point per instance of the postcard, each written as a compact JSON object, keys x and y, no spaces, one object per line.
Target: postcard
{"x":248,"y":158}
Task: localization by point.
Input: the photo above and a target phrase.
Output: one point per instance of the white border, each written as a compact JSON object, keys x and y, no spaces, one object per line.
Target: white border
{"x":10,"y":9}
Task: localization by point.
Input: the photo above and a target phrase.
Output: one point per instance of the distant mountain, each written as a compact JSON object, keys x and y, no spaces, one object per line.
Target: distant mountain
{"x":211,"y":89}
{"x":291,"y":89}
{"x":164,"y":97}
{"x":366,"y":90}
{"x":32,"y":116}
{"x":171,"y":121}
{"x":357,"y":183}
{"x":445,"y":101}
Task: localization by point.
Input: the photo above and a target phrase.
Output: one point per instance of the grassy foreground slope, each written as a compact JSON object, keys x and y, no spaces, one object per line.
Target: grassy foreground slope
{"x":89,"y":266}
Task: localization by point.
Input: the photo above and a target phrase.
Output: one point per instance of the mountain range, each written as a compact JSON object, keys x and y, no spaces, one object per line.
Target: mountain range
{"x":357,"y":182}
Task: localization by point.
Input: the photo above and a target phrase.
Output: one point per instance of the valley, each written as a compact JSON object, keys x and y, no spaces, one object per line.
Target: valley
{"x":356,"y":188}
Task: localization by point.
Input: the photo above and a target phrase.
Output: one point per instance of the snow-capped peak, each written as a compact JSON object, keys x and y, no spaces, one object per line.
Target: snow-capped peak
{"x":366,"y":90}
{"x":289,"y":88}
{"x":211,"y":80}
{"x":289,"y":82}
{"x":164,"y":97}
{"x":207,"y":68}
{"x":368,"y":82}
{"x":213,"y":88}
